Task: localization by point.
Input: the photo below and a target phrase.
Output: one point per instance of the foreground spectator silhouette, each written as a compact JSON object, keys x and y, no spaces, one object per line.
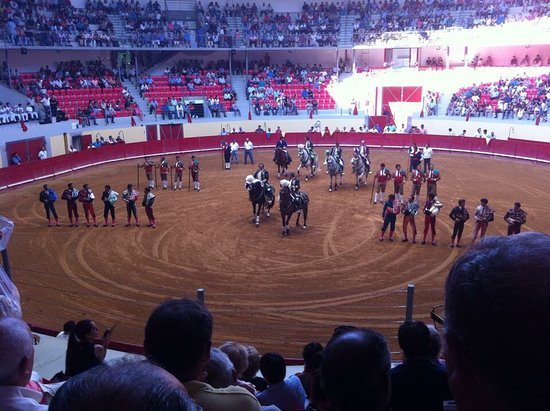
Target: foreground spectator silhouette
{"x":287,"y":394}
{"x":178,"y":336}
{"x":16,"y":362}
{"x":418,"y":383}
{"x":355,"y":372}
{"x":497,"y":306}
{"x":136,"y":386}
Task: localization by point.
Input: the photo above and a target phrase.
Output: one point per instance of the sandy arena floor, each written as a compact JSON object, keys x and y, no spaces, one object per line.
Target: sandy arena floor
{"x":275,"y":292}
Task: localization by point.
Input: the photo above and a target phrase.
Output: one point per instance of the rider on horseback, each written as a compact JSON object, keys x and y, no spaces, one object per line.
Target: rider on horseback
{"x":281,"y":143}
{"x":364,"y":153}
{"x":294,"y":186}
{"x":261,"y":173}
{"x":336,"y":152}
{"x":309,"y":147}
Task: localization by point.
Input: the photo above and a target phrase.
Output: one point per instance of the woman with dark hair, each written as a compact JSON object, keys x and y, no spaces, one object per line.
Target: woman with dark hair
{"x":82,"y":353}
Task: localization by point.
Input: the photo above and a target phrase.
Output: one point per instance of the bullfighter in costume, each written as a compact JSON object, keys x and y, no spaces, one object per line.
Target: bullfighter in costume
{"x":86,"y":196}
{"x":70,"y":195}
{"x":178,"y":180}
{"x":109,"y":198}
{"x":381,"y":178}
{"x":459,"y":215}
{"x":48,"y":197}
{"x":130,"y":196}
{"x":164,"y":167}
{"x":399,"y":179}
{"x":515,"y":217}
{"x":389,"y":213}
{"x":410,"y":210}
{"x":431,"y":210}
{"x":147,"y":202}
{"x":194,"y":167}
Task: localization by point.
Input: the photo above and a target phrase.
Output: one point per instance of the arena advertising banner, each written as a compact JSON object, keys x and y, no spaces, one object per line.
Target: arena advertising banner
{"x":6,"y":228}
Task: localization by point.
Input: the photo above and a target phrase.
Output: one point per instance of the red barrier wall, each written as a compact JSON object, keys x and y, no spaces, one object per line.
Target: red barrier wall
{"x":15,"y":175}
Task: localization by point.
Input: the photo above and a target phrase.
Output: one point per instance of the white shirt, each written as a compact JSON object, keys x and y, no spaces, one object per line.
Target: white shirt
{"x":42,"y":154}
{"x":234,"y":146}
{"x":14,"y":398}
{"x":248,"y":145}
{"x":427,"y":153}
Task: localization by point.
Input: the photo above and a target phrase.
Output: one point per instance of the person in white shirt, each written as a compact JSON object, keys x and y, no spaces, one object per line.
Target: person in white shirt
{"x":248,"y":148}
{"x":17,"y":359}
{"x":42,"y":154}
{"x":427,"y":155}
{"x":234,"y":152}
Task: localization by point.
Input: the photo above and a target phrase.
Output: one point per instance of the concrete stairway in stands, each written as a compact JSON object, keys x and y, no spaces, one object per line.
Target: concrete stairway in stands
{"x":234,"y":23}
{"x":134,"y":92}
{"x":118,"y":27}
{"x":239,"y":85}
{"x":346,"y":31}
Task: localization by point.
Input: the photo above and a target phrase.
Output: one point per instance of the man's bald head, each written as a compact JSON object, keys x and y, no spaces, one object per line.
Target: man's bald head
{"x":16,"y":352}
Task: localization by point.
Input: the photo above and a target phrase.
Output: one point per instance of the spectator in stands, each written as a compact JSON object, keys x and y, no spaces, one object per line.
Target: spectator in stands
{"x":68,"y":328}
{"x":82,"y":352}
{"x":178,"y":337}
{"x":312,"y":354}
{"x":220,"y":372}
{"x":495,"y":298}
{"x":16,"y":159}
{"x":250,"y":374}
{"x":124,"y":385}
{"x":17,"y":358}
{"x":287,"y":394}
{"x":356,"y":370}
{"x":43,"y":153}
{"x":418,"y":383}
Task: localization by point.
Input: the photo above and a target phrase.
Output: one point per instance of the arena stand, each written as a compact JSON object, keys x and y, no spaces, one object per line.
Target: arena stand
{"x":36,"y":170}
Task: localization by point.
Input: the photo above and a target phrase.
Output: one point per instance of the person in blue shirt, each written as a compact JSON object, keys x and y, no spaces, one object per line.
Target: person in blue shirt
{"x":48,"y":198}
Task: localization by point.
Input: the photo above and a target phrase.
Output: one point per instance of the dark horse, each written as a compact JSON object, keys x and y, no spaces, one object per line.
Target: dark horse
{"x":262,"y":197}
{"x":289,"y":204}
{"x":282,"y":159}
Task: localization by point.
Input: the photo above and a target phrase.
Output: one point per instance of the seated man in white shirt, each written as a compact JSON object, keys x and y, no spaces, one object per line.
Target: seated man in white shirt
{"x":17,"y":359}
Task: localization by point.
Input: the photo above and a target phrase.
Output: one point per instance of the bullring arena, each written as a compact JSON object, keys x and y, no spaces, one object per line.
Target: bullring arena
{"x":274,"y":292}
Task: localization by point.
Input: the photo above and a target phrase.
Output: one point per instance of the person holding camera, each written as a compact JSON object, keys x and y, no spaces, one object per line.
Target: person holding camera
{"x":82,"y":352}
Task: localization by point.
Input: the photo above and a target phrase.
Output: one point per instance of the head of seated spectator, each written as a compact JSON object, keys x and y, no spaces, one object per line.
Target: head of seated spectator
{"x":273,"y":368}
{"x":124,"y":385}
{"x":250,"y":374}
{"x":219,"y":370}
{"x":414,"y":340}
{"x":355,"y":372}
{"x":17,"y":359}
{"x":496,"y":330}
{"x":82,"y":352}
{"x":178,"y":336}
{"x":238,"y":355}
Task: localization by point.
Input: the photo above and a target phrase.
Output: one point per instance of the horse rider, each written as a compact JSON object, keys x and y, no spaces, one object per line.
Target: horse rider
{"x":262,"y":174}
{"x":336,"y":152}
{"x":281,"y":143}
{"x":294,"y":185}
{"x":364,"y":153}
{"x":308,"y":146}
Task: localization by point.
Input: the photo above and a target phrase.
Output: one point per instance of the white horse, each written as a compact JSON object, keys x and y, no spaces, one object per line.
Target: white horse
{"x":308,"y":160}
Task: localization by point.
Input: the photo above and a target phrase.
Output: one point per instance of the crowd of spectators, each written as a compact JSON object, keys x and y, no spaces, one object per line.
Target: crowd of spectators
{"x":86,"y":91}
{"x":284,"y":89}
{"x":317,"y":25}
{"x":520,"y":97}
{"x":16,"y":113}
{"x":47,"y":23}
{"x":377,"y":18}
